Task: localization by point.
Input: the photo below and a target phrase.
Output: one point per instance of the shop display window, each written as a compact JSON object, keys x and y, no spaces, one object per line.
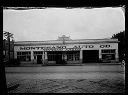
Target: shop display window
{"x":24,"y":56}
{"x":108,"y":54}
{"x":73,"y":55}
{"x":52,"y":55}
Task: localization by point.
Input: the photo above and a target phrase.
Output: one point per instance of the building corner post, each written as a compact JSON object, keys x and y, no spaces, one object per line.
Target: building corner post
{"x":32,"y":57}
{"x":15,"y":54}
{"x":100,"y":55}
{"x":45,"y":58}
{"x":116,"y":56}
{"x":81,"y":56}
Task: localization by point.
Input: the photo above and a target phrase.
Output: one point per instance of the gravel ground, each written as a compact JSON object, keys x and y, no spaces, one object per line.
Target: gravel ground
{"x":66,"y":79}
{"x":66,"y":86}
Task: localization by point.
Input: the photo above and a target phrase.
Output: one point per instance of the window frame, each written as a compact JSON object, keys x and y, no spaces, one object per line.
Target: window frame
{"x":24,"y":55}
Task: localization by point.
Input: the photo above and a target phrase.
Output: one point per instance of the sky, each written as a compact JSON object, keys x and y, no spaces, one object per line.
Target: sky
{"x":49,"y":23}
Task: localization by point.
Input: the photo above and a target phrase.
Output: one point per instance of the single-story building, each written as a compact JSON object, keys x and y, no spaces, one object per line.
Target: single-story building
{"x":72,"y":51}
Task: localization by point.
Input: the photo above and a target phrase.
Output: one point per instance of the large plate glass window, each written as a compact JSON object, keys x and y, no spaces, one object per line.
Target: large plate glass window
{"x":24,"y":56}
{"x":108,"y":54}
{"x":73,"y":55}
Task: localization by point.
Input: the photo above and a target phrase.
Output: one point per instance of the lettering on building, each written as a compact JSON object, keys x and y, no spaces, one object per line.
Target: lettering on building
{"x":104,"y":46}
{"x":59,"y":48}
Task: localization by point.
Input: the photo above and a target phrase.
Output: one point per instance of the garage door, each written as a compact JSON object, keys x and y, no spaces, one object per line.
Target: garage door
{"x":90,"y":56}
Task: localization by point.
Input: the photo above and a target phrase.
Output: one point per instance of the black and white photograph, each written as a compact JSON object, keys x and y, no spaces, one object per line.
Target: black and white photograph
{"x":64,"y":50}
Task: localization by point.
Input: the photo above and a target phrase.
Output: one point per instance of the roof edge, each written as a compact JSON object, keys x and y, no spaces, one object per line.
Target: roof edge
{"x":68,"y":40}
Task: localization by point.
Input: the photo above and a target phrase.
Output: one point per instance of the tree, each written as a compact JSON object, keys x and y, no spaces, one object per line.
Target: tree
{"x":121,"y":46}
{"x":7,"y":36}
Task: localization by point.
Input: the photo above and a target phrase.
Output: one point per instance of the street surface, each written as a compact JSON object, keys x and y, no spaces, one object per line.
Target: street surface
{"x":66,"y":79}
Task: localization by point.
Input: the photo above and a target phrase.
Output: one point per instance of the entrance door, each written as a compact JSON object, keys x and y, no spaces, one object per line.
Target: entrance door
{"x":58,"y":57}
{"x":90,"y":56}
{"x":39,"y":57}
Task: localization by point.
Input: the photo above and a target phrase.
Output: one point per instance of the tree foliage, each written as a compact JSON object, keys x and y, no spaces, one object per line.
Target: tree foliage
{"x":121,"y":46}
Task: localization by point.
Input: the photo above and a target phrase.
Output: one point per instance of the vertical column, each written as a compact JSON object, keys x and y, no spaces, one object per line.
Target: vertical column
{"x":46,"y":57}
{"x":62,"y":56}
{"x":32,"y":57}
{"x":100,"y":55}
{"x":35,"y":60}
{"x":116,"y":56}
{"x":73,"y":57}
{"x":15,"y":54}
{"x":81,"y":56}
{"x":65,"y":57}
{"x":43,"y":56}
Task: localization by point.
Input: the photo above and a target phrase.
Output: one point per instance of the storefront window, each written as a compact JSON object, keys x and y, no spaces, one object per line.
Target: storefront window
{"x":70,"y":57}
{"x":38,"y":52}
{"x":108,"y":54}
{"x":108,"y":51}
{"x":24,"y":56}
{"x":73,"y":55}
{"x":52,"y":55}
{"x":77,"y":56}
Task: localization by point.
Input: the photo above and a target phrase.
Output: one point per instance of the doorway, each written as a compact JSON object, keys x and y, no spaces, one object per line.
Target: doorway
{"x":90,"y":56}
{"x":58,"y":57}
{"x":39,"y":57}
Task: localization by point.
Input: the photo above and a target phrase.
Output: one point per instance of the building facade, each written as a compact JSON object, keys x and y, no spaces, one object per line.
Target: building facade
{"x":72,"y":51}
